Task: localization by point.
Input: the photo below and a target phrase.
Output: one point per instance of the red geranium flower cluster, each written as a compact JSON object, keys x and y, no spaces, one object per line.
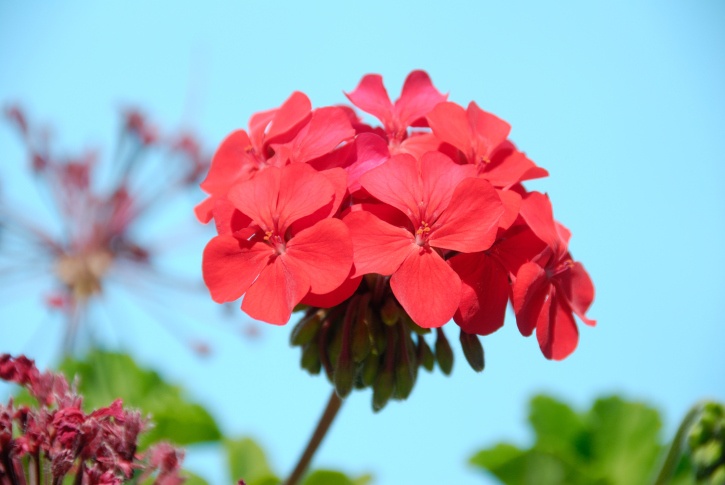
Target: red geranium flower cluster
{"x":310,"y":201}
{"x":58,"y":439}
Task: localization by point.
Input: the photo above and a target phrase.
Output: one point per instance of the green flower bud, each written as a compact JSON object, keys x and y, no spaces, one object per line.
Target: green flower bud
{"x":383,"y":390}
{"x":390,"y":312}
{"x":306,"y":328}
{"x":707,"y":455}
{"x":718,"y":476}
{"x":310,"y":360}
{"x":425,"y":355}
{"x":344,"y":375}
{"x":377,"y":332}
{"x":444,"y":353}
{"x":473,"y":350}
{"x":405,"y":365}
{"x":361,"y":338}
{"x":370,"y":368}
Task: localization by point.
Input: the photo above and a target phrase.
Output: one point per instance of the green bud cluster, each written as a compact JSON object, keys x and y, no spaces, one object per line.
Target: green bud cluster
{"x":706,"y":442}
{"x":368,"y":341}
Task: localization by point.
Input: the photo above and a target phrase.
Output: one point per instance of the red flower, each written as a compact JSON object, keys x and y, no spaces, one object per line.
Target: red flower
{"x":242,"y":154}
{"x":481,"y":138}
{"x":485,"y":279}
{"x":292,"y":247}
{"x":445,"y":209}
{"x":417,"y":98}
{"x":550,"y":289}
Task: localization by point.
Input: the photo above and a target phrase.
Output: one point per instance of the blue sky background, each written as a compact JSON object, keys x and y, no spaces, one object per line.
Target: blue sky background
{"x":623,"y":104}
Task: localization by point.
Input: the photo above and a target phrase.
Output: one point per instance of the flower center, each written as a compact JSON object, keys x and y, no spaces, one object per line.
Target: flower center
{"x":276,"y":241}
{"x":421,"y":235}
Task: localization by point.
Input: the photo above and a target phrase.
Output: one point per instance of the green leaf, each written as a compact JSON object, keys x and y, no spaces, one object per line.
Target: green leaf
{"x":518,"y":467}
{"x":559,"y":430}
{"x":106,"y":376}
{"x":615,"y":443}
{"x":624,"y":439}
{"x":332,"y":477}
{"x":247,"y":461}
{"x":327,"y":477}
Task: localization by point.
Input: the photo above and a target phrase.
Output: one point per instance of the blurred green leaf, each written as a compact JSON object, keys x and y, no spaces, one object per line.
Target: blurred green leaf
{"x":193,"y":479}
{"x":106,"y":376}
{"x":625,"y":440}
{"x":617,"y":442}
{"x":247,"y":461}
{"x":332,"y":477}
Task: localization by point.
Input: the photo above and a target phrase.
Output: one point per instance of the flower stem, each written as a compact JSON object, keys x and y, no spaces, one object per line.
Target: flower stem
{"x":333,"y":406}
{"x":675,"y":451}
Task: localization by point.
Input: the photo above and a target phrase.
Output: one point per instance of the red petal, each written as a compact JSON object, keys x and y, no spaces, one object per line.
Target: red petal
{"x":231,"y":163}
{"x":203,"y":211}
{"x":441,"y":177}
{"x":418,"y":144}
{"x":370,"y":96}
{"x":537,"y":212}
{"x":328,"y":128}
{"x":490,"y":130}
{"x":324,"y":252}
{"x":378,"y":247}
{"x":257,"y":198}
{"x":509,"y":166}
{"x":338,"y":180}
{"x":418,"y":97}
{"x":288,"y":118}
{"x":511,"y":204}
{"x":517,"y":246}
{"x":302,"y":191}
{"x":450,"y":123}
{"x":227,"y":218}
{"x":556,"y":330}
{"x":279,"y":288}
{"x":529,"y":292}
{"x":470,"y":222}
{"x":397,"y":182}
{"x":335,"y":297}
{"x":427,"y":288}
{"x":371,"y":151}
{"x":229,"y":266}
{"x":578,"y":289}
{"x":258,"y":123}
{"x":484,"y":293}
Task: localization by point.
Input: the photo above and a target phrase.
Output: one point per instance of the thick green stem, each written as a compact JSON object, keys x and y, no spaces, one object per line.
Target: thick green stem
{"x":333,"y":406}
{"x":675,"y":452}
